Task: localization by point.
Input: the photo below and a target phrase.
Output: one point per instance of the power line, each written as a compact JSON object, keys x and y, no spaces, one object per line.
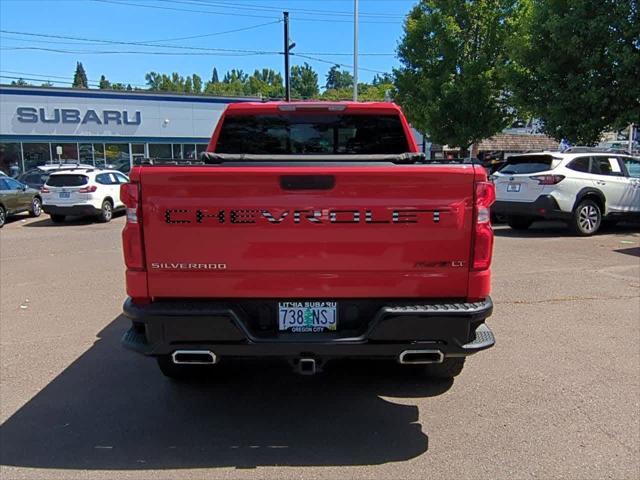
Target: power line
{"x":305,"y":11}
{"x":141,"y":44}
{"x":244,"y":29}
{"x":137,"y":52}
{"x":341,"y":65}
{"x":69,"y":79}
{"x":95,"y":41}
{"x":234,"y":14}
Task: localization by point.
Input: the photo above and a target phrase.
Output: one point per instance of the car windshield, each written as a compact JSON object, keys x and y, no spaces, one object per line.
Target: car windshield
{"x":68,"y":180}
{"x":527,"y":164}
{"x":282,"y":134}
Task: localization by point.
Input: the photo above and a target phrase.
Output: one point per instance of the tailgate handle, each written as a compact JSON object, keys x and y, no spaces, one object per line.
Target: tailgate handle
{"x":307,"y":182}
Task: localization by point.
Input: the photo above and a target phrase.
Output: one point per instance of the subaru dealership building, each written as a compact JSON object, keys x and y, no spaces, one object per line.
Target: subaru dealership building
{"x":100,"y":127}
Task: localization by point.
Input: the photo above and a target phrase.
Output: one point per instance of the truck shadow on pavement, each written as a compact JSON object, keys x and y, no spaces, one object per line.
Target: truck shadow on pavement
{"x":112,"y":409}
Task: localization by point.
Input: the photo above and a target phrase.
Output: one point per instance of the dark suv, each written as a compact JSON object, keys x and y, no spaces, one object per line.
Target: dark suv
{"x":16,"y":197}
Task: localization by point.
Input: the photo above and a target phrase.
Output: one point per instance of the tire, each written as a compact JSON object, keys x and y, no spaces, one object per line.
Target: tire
{"x":106,"y":212}
{"x":36,"y":207}
{"x":3,"y":216}
{"x":451,"y":367}
{"x":587,"y":218}
{"x":519,"y":223}
{"x":182,"y":373}
{"x":57,"y":218}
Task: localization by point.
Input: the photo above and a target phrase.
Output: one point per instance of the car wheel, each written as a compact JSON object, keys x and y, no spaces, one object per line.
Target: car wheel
{"x":36,"y":207}
{"x":57,"y":218}
{"x":182,"y":373}
{"x":449,"y":368}
{"x":3,"y":216}
{"x":519,"y":223}
{"x":106,"y":212}
{"x":587,"y":218}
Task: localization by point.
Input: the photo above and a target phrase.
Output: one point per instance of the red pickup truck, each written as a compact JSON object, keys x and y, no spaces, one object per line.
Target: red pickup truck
{"x":308,"y":231}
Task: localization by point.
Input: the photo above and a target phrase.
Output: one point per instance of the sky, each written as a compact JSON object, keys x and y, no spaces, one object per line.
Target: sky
{"x":39,"y":38}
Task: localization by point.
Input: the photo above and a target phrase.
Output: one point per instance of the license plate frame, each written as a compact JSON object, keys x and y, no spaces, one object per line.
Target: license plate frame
{"x":513,"y":187}
{"x":64,"y":195}
{"x":307,"y":316}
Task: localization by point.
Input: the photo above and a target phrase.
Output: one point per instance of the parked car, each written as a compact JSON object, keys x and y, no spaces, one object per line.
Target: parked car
{"x":37,"y":176}
{"x":83,"y":192}
{"x":16,"y":197}
{"x":582,"y":188}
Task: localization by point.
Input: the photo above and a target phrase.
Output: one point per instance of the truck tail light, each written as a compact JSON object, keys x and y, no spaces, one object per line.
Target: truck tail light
{"x":132,"y":241}
{"x":90,"y":189}
{"x":547,"y":179}
{"x":485,"y":195}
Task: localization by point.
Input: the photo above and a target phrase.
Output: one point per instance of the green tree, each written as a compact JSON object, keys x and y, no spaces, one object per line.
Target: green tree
{"x":197,"y":83}
{"x":80,"y":77}
{"x":452,"y":80}
{"x":21,"y":82}
{"x":104,"y":83}
{"x":214,"y":76}
{"x":385,"y":78}
{"x":47,"y":84}
{"x":337,"y":79}
{"x":576,"y":65}
{"x":304,"y":81}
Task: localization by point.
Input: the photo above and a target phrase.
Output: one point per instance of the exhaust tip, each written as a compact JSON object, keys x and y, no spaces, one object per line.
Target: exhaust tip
{"x":193,"y":357}
{"x":419,"y":357}
{"x":307,"y":366}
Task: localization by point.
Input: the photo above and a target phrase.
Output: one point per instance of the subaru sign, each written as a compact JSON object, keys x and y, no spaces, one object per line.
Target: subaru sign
{"x":72,"y":115}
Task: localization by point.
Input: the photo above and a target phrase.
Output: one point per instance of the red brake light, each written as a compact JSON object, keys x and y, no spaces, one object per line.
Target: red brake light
{"x":547,"y":179}
{"x":485,"y":195}
{"x":44,"y":189}
{"x":90,"y":189}
{"x":132,"y":233}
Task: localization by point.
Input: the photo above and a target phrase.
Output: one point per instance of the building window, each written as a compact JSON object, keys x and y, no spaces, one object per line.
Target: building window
{"x":86,"y":154}
{"x":98,"y":154}
{"x":201,"y":147}
{"x":117,"y":156}
{"x":10,"y":159}
{"x":160,"y":150}
{"x":189,"y":151}
{"x":36,"y":154}
{"x":69,"y":151}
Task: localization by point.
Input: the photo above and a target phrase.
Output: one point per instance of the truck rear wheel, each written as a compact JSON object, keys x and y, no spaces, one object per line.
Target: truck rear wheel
{"x":449,"y":368}
{"x":181,"y":373}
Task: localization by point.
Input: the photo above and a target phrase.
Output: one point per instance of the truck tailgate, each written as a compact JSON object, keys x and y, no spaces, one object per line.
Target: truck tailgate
{"x":397,"y":231}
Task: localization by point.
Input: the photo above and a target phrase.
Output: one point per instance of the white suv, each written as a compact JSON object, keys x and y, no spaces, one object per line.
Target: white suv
{"x":584,"y":189}
{"x":83,"y":192}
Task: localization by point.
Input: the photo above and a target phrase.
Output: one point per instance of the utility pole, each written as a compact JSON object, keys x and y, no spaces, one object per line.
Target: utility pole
{"x":631,"y":138}
{"x":287,"y":87}
{"x":355,"y":50}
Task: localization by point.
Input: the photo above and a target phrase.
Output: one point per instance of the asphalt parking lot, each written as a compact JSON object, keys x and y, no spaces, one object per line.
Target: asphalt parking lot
{"x":557,"y":397}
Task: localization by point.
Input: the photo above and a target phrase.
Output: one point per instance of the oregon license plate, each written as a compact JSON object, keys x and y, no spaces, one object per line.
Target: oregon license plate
{"x":307,"y":316}
{"x":513,"y":187}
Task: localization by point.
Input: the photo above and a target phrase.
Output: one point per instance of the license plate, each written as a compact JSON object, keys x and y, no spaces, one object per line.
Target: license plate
{"x":65,"y":194}
{"x":513,"y":187}
{"x":307,"y":316}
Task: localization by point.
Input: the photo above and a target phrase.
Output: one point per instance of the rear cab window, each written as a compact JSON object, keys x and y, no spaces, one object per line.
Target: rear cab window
{"x":526,"y":164}
{"x":67,"y":180}
{"x":312,"y":134}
